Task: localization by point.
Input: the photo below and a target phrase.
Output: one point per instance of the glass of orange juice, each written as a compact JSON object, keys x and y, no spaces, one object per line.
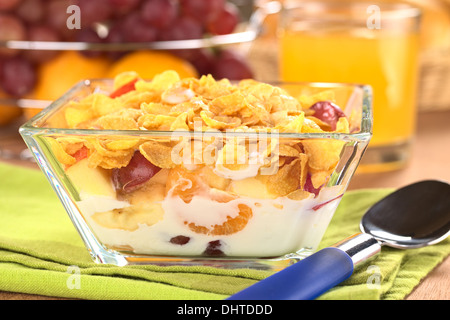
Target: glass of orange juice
{"x":366,"y":43}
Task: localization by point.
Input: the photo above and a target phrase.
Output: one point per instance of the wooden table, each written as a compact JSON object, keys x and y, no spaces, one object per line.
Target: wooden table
{"x":431,"y":160}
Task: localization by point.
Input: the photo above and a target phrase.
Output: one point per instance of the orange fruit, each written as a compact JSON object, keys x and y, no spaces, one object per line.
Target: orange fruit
{"x":232,"y":225}
{"x":186,"y":184}
{"x":150,"y":63}
{"x":61,"y":73}
{"x":64,"y":71}
{"x":8,"y":114}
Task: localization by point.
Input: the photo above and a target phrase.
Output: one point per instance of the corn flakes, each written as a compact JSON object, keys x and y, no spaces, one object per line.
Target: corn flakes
{"x":168,"y":103}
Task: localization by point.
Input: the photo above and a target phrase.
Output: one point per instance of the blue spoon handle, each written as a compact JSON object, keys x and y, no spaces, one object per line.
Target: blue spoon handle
{"x":314,"y":275}
{"x":304,"y":280}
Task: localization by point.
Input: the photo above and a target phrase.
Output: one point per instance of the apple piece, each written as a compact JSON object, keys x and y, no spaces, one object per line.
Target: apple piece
{"x":81,"y":154}
{"x":92,"y":181}
{"x":161,"y":176}
{"x":145,"y":208}
{"x":148,"y":193}
{"x":251,"y":187}
{"x":127,"y":87}
{"x":129,"y":218}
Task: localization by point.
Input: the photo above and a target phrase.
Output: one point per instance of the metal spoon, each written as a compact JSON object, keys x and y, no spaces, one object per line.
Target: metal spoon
{"x":414,"y":216}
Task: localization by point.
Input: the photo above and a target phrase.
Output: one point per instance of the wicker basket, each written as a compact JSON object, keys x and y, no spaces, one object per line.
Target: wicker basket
{"x":434,"y":82}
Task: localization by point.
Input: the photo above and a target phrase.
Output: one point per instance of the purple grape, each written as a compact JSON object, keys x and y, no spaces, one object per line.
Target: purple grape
{"x":123,"y":7}
{"x":225,"y":21}
{"x":90,"y":36}
{"x":159,"y":13}
{"x":231,"y":65}
{"x":11,"y":28}
{"x":183,"y":28}
{"x":6,"y":5}
{"x":134,"y":29}
{"x":93,"y":11}
{"x":201,"y":10}
{"x":136,"y":173}
{"x":17,"y":76}
{"x":41,"y":33}
{"x":31,"y":11}
{"x":328,"y":112}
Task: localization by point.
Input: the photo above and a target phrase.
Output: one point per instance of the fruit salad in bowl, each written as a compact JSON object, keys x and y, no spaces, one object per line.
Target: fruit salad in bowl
{"x":200,"y":170}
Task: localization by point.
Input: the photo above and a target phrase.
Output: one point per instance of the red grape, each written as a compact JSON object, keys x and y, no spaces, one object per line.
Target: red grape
{"x":94,"y":11}
{"x":137,"y":172}
{"x":159,"y":13}
{"x":309,"y":187}
{"x":6,"y":5}
{"x":123,"y":7}
{"x":56,"y":17}
{"x":41,"y":33}
{"x":116,"y":35}
{"x":134,"y":29}
{"x":11,"y":28}
{"x":202,"y":59}
{"x":90,"y":36}
{"x":183,"y":28}
{"x":17,"y":76}
{"x":202,"y":10}
{"x":328,"y":112}
{"x":225,"y":21}
{"x":31,"y":11}
{"x":115,"y":32}
{"x":232,"y":65}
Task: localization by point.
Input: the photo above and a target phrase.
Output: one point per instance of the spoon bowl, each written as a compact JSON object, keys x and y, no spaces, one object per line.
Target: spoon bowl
{"x":414,"y":216}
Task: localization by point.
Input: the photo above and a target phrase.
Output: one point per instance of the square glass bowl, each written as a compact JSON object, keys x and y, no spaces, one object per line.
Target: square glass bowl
{"x":262,"y":211}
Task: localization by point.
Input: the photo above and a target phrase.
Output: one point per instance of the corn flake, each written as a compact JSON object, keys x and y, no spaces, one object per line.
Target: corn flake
{"x":123,"y":78}
{"x":159,"y":83}
{"x":103,"y":105}
{"x":117,"y":122}
{"x":61,"y":155}
{"x":158,"y":153}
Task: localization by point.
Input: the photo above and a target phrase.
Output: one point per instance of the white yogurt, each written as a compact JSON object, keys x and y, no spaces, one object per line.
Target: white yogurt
{"x":277,"y":227}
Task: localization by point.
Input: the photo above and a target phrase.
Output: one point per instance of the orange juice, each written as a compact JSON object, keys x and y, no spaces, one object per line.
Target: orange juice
{"x":386,"y":61}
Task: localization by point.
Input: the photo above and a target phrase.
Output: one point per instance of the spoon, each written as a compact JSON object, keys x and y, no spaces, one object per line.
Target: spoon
{"x":414,"y":216}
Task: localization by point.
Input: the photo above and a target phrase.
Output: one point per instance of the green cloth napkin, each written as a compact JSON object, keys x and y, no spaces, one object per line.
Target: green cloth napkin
{"x":42,"y":253}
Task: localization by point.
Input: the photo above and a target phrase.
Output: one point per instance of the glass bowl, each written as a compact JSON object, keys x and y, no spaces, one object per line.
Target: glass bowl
{"x":263,"y":211}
